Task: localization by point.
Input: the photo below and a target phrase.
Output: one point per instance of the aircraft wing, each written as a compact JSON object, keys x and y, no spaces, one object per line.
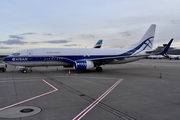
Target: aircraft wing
{"x":106,"y":60}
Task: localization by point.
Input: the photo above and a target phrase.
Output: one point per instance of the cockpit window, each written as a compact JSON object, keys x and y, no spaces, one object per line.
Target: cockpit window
{"x":15,"y":54}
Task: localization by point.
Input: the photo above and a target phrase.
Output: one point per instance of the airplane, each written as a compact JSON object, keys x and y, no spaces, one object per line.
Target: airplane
{"x":175,"y":57}
{"x":98,"y":44}
{"x":82,"y":58}
{"x":163,"y":53}
{"x":155,"y":57}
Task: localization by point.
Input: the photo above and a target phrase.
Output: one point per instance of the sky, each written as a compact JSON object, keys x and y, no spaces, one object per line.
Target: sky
{"x":81,"y":23}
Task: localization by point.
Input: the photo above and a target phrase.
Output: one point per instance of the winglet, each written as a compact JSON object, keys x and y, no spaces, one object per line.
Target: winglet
{"x":164,"y":52}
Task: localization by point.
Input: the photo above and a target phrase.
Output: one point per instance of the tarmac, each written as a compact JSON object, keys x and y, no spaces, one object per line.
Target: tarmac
{"x":150,"y":90}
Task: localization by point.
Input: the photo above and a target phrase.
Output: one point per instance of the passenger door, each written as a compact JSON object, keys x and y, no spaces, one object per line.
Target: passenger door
{"x":30,"y":57}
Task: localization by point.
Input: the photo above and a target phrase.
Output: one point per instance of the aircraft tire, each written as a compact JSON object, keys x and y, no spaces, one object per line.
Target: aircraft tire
{"x":99,"y":69}
{"x":24,"y":71}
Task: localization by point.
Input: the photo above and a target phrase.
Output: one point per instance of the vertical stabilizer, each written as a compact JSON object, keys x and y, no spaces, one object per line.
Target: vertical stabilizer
{"x":147,"y":40}
{"x":164,"y":52}
{"x":98,"y":44}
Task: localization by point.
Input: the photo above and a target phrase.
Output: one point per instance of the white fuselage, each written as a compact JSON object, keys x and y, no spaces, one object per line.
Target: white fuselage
{"x":66,"y":56}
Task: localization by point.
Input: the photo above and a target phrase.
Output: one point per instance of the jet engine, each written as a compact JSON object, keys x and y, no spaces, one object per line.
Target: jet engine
{"x":83,"y":65}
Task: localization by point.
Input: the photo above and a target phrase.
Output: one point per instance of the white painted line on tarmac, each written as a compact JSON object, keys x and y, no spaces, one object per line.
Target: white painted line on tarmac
{"x":24,"y":101}
{"x":80,"y":115}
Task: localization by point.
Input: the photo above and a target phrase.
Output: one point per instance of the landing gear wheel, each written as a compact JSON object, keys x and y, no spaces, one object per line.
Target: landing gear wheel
{"x":24,"y":71}
{"x":99,"y":69}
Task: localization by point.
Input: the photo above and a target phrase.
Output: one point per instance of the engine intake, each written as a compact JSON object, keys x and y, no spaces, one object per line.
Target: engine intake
{"x":83,"y":65}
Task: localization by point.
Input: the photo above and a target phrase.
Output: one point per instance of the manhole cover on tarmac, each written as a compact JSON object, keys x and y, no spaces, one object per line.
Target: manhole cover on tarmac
{"x":26,"y":110}
{"x":20,"y":111}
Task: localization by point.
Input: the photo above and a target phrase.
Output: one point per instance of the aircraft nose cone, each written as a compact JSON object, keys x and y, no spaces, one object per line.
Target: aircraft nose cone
{"x":5,"y":59}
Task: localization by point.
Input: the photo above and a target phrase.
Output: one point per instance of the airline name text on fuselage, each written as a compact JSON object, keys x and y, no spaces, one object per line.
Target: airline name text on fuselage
{"x":20,"y":59}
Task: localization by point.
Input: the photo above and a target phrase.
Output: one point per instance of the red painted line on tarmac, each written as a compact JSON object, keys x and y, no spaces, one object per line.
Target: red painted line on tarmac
{"x":80,"y":115}
{"x":30,"y":99}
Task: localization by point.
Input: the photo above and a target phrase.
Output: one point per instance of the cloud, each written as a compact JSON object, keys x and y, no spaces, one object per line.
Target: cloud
{"x":127,"y":33}
{"x":34,"y":42}
{"x":13,"y":42}
{"x":2,"y":47}
{"x":48,"y":34}
{"x":175,"y":21}
{"x":15,"y":37}
{"x":30,"y":33}
{"x":72,"y":45}
{"x":87,"y":36}
{"x":57,"y":41}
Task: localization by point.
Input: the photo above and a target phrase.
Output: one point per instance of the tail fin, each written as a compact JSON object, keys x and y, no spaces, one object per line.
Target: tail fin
{"x":148,"y":38}
{"x":146,"y":42}
{"x":98,"y":44}
{"x":164,"y":52}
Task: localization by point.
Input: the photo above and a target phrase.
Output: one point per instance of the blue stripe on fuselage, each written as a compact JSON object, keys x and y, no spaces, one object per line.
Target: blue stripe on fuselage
{"x":130,"y":52}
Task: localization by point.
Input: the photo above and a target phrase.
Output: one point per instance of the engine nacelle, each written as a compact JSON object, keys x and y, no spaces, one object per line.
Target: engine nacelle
{"x":83,"y":65}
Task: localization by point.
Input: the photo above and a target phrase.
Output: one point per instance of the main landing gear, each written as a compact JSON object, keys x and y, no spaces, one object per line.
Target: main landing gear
{"x":99,"y":69}
{"x":25,"y":70}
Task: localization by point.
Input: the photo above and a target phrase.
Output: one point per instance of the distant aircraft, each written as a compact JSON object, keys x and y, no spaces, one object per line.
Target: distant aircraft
{"x":163,"y":53}
{"x":155,"y":57}
{"x":82,"y":58}
{"x":98,"y":44}
{"x":175,"y":57}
